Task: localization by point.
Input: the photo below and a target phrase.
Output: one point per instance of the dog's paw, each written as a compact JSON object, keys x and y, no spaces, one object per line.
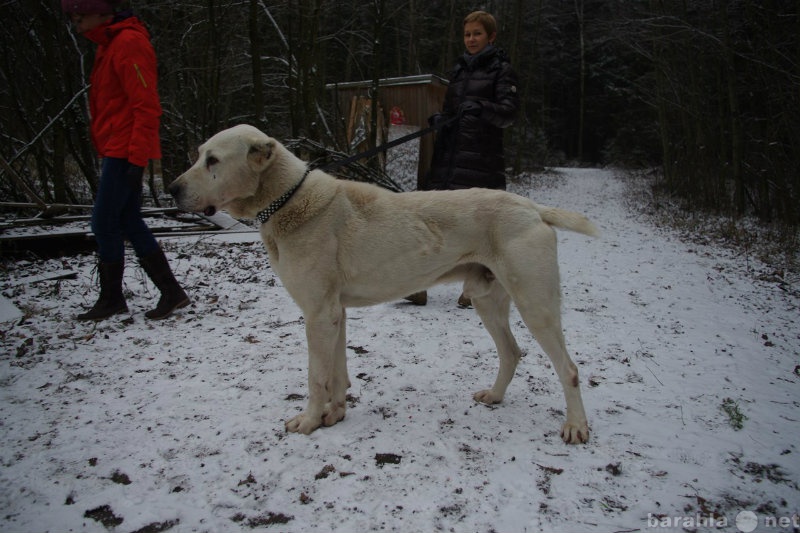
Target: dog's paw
{"x":575,"y":433}
{"x":303,"y":424}
{"x":487,"y":397}
{"x":333,"y":414}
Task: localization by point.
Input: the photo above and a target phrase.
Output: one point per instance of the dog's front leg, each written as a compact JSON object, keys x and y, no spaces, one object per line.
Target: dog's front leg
{"x":327,"y":374}
{"x":340,"y":382}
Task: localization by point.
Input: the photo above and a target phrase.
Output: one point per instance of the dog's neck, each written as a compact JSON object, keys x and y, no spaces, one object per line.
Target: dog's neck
{"x":265,"y":214}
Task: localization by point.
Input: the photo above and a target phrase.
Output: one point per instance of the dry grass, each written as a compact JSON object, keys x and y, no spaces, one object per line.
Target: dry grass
{"x":773,"y":249}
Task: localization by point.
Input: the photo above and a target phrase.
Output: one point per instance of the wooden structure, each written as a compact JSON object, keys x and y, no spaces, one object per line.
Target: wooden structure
{"x":58,"y":235}
{"x":405,"y":103}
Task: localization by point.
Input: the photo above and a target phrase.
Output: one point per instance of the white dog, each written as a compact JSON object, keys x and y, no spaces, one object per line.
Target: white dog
{"x":337,"y":244}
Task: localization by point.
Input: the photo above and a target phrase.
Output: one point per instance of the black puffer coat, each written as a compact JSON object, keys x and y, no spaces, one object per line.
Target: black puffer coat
{"x":469,"y":152}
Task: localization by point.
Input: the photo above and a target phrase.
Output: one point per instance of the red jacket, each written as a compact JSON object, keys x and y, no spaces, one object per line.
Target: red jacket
{"x":123,"y":100}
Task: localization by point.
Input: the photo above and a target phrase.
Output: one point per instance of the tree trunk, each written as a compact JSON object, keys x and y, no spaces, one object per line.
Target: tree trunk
{"x":447,"y":57}
{"x":255,"y":58}
{"x":582,"y":77}
{"x":377,"y":47}
{"x":734,"y":114}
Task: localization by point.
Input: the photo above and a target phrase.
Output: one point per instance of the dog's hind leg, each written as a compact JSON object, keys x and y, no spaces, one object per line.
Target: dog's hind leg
{"x":541,"y":312}
{"x":575,"y":429}
{"x":325,"y":335}
{"x":493,"y":303}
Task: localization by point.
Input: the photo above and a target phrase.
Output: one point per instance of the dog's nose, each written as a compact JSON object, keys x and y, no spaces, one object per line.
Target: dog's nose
{"x":175,"y":189}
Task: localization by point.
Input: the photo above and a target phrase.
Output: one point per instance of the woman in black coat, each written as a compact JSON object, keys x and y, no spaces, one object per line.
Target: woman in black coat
{"x":483,"y":94}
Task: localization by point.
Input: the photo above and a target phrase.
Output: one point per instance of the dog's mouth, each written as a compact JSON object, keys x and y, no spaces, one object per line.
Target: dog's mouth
{"x":209,"y":211}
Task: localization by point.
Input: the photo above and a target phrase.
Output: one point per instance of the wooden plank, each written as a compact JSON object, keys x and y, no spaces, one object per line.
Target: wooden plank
{"x":28,"y":205}
{"x":49,"y":276}
{"x":25,"y":222}
{"x":37,"y":221}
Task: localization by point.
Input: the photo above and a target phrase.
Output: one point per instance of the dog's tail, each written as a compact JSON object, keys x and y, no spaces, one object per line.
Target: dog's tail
{"x":568,"y":220}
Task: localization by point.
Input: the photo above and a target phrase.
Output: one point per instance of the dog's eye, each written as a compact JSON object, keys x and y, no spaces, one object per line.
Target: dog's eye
{"x":211,"y":161}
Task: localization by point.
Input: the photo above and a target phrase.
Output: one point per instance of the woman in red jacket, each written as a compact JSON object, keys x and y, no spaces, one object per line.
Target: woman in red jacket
{"x":125,"y":116}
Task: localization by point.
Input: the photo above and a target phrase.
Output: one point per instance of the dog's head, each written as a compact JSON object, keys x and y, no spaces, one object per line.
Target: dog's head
{"x":227,"y":173}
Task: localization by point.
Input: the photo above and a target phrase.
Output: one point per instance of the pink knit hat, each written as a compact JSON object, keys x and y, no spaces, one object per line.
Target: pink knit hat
{"x":99,"y":7}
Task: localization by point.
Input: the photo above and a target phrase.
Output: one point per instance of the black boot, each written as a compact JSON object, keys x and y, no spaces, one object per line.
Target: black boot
{"x":111,"y":300}
{"x":172,"y":295}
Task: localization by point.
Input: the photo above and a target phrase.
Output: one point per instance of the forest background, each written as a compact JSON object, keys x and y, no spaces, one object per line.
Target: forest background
{"x":706,"y":92}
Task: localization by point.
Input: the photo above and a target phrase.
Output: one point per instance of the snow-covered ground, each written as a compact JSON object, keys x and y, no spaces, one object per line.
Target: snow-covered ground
{"x":130,"y":425}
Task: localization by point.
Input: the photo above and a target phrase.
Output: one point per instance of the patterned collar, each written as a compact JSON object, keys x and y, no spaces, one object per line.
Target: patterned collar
{"x":264,"y":215}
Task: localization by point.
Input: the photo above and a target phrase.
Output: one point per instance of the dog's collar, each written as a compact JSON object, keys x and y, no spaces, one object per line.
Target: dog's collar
{"x":264,"y":215}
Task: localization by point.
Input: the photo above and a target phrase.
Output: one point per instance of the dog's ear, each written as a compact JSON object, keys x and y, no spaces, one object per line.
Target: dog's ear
{"x":260,"y":153}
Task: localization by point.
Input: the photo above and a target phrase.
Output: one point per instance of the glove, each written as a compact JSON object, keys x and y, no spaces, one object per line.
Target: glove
{"x":470,"y":107}
{"x":133,"y":177}
{"x":436,"y":120}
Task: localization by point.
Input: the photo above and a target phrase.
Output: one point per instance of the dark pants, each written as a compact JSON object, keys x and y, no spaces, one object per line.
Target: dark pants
{"x":117,"y":212}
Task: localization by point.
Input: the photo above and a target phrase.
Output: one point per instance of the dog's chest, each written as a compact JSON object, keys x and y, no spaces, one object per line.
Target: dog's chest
{"x":271,"y":246}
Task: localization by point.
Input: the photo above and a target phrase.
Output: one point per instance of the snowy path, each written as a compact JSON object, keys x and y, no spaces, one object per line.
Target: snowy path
{"x":134,"y":426}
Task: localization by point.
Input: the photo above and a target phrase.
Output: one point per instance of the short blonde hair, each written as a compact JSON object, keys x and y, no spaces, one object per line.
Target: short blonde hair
{"x":485,"y":19}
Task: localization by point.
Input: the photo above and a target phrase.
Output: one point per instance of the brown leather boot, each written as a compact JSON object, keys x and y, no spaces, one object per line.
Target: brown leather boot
{"x":172,"y":295}
{"x":111,"y":300}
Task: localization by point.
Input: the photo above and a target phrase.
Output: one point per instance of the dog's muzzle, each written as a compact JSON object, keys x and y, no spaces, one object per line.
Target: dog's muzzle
{"x":176,"y":191}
